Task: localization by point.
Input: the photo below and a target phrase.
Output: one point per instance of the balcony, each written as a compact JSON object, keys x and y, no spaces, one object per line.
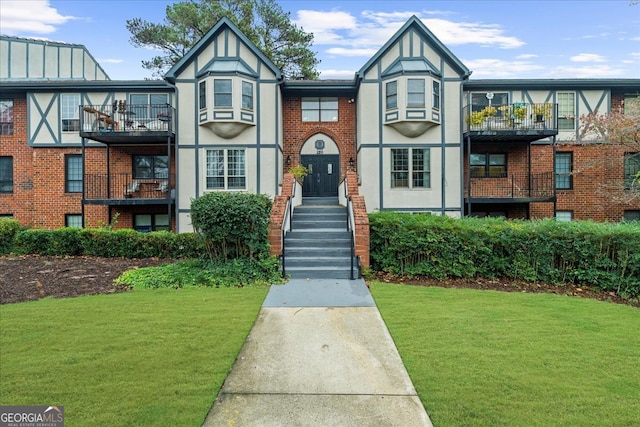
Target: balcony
{"x":123,"y":123}
{"x":123,"y":189}
{"x":510,"y":188}
{"x":519,"y":122}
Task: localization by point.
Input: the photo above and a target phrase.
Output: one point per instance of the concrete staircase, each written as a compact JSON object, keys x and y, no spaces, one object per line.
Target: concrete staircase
{"x":319,"y":243}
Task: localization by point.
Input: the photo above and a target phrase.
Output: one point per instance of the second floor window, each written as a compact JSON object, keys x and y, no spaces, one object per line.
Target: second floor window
{"x":150,"y":167}
{"x":631,"y":170}
{"x":6,"y":174}
{"x":70,"y":103}
{"x":564,"y":171}
{"x":247,"y":96}
{"x":391,"y":95}
{"x":202,"y":87}
{"x":566,"y":111}
{"x":319,"y":109}
{"x":415,"y":93}
{"x":222,"y":93}
{"x":487,"y":165}
{"x":632,"y":105}
{"x":436,"y":95}
{"x":6,"y":116}
{"x":147,"y":105}
{"x":73,"y":173}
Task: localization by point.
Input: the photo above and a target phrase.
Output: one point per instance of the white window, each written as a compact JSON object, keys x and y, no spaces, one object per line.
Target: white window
{"x":69,"y":105}
{"x":566,"y":110}
{"x":564,"y":216}
{"x":319,"y":109}
{"x":410,"y":168}
{"x":222,"y":93}
{"x":415,"y":93}
{"x":225,"y":169}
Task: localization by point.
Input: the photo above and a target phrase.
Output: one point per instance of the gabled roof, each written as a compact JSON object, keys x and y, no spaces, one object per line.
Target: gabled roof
{"x":221,"y":25}
{"x":415,"y":23}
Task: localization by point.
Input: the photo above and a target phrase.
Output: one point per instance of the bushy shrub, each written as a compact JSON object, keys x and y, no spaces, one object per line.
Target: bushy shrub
{"x":8,"y":230}
{"x":232,"y":225}
{"x":234,"y":273}
{"x":129,"y":243}
{"x":602,"y":255}
{"x":61,"y":242}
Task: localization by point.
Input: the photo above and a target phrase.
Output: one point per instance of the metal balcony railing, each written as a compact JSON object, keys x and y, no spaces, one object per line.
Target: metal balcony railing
{"x":124,"y":186}
{"x":122,"y":117}
{"x":511,"y":117}
{"x":510,"y":186}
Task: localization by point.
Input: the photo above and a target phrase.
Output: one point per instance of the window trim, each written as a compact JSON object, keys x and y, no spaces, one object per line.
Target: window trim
{"x":487,"y":166}
{"x":225,"y":170}
{"x":7,"y":117}
{"x":568,"y":174}
{"x":11,"y":182}
{"x":411,"y":171}
{"x":67,"y":169}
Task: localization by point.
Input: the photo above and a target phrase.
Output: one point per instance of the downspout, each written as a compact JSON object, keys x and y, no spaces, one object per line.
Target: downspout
{"x":175,"y":148}
{"x":84,"y":183}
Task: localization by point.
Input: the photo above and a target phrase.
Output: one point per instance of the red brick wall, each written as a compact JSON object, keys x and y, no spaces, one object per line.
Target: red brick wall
{"x":343,"y":132}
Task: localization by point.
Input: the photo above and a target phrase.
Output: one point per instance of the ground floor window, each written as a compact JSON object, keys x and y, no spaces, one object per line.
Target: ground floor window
{"x":73,"y":173}
{"x":410,"y":168}
{"x":151,"y":222}
{"x":73,"y":220}
{"x":226,"y":169}
{"x":631,"y":170}
{"x":564,"y":216}
{"x":6,"y":174}
{"x":632,"y":215}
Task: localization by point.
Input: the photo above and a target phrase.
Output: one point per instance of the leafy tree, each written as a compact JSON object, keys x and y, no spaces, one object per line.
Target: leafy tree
{"x":262,"y":21}
{"x":620,"y":127}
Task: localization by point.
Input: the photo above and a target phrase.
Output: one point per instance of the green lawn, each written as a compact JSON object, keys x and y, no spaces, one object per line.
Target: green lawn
{"x":147,"y":357}
{"x":483,"y":358}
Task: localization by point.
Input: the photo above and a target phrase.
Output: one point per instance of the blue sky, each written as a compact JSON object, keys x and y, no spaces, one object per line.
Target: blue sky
{"x":495,"y":39}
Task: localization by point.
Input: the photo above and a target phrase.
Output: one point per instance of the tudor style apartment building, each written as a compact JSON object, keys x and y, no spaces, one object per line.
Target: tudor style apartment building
{"x":78,"y":149}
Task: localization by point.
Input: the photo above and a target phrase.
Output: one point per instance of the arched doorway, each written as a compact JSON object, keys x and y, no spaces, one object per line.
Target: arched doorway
{"x":321,"y":157}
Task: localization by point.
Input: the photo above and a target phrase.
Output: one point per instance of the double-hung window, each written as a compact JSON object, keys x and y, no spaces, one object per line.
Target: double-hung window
{"x":564,"y":171}
{"x":247,"y":95}
{"x":488,"y":165}
{"x":69,"y":105}
{"x":73,"y":173}
{"x":319,"y":109}
{"x":150,"y":167}
{"x":391,"y":95}
{"x":436,"y":95}
{"x":202,"y":95}
{"x":6,"y":116}
{"x":415,"y":93}
{"x":410,"y":168}
{"x":566,"y":110}
{"x":225,"y":169}
{"x":6,"y":174}
{"x":222,"y":93}
{"x":631,"y":170}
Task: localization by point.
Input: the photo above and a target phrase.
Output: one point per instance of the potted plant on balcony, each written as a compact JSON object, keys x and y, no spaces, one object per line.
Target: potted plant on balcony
{"x":475,"y":119}
{"x":542,"y":112}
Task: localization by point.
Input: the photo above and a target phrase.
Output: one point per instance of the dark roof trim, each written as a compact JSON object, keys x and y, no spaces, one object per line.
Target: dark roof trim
{"x":552,"y":84}
{"x":13,"y":86}
{"x":437,"y":45}
{"x":339,"y":88}
{"x":179,"y":66}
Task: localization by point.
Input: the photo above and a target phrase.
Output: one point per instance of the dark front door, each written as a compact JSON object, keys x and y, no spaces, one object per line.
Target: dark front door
{"x":324,"y":173}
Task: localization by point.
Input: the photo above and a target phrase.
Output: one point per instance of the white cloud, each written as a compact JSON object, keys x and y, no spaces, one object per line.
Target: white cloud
{"x":587,"y":57}
{"x":501,"y":69}
{"x":337,"y":74}
{"x":456,"y":33}
{"x":526,"y":56}
{"x":39,"y":17}
{"x":109,"y":60}
{"x":341,"y":51}
{"x":598,"y":71}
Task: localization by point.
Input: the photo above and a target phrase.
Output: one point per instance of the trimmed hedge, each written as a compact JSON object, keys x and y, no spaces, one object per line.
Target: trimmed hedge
{"x":8,"y":230}
{"x":105,"y":243}
{"x":602,"y":255}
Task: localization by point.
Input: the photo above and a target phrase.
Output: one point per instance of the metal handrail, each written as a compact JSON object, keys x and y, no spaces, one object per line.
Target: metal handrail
{"x":350,"y":227}
{"x":287,"y":225}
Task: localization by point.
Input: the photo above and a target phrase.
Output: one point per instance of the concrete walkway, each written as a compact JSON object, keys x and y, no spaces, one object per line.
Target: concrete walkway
{"x":319,"y":354}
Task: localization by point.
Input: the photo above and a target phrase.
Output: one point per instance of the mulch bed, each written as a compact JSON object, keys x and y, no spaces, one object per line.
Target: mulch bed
{"x":31,"y":277}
